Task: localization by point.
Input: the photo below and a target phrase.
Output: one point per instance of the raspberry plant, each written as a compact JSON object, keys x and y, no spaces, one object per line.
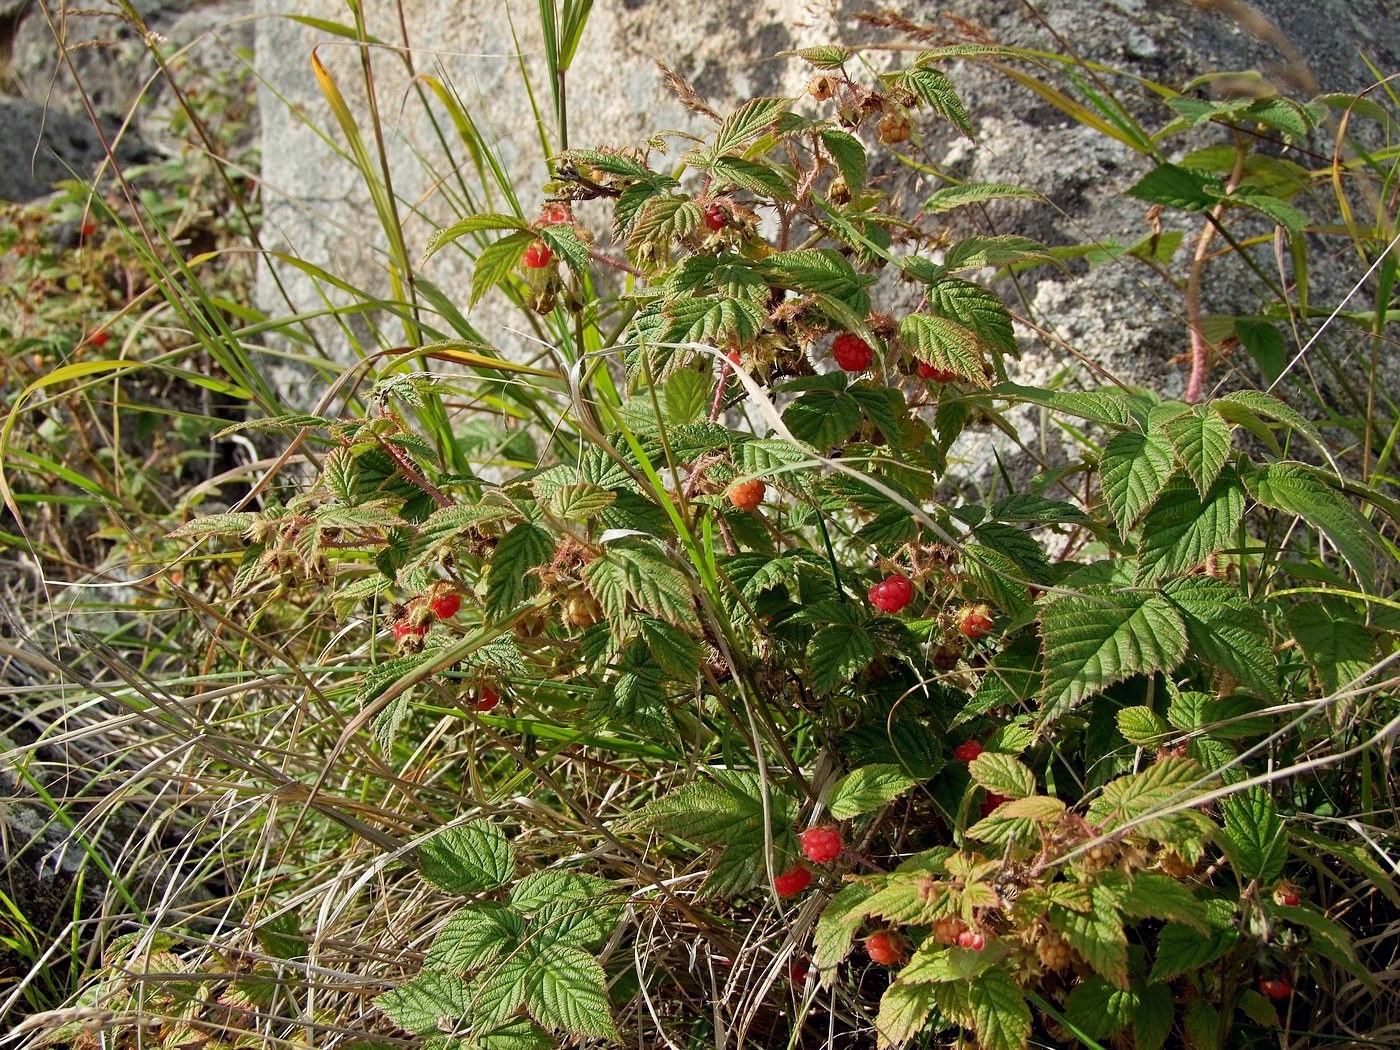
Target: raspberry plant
{"x":1123,"y":644}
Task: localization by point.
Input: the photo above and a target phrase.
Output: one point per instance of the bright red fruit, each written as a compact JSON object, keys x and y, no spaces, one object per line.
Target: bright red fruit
{"x":975,"y":621}
{"x":716,"y":218}
{"x":967,"y":750}
{"x":1277,"y":988}
{"x":487,"y":698}
{"x":893,"y":594}
{"x":822,"y":845}
{"x":798,"y":970}
{"x":88,"y":229}
{"x":991,"y":802}
{"x":884,"y":948}
{"x":100,"y":337}
{"x":747,"y":495}
{"x":538,"y":256}
{"x":852,"y":352}
{"x":938,"y":375}
{"x":1286,"y":896}
{"x":971,"y":940}
{"x":554,"y":213}
{"x":794,"y":881}
{"x":445,"y":606}
{"x":403,"y":629}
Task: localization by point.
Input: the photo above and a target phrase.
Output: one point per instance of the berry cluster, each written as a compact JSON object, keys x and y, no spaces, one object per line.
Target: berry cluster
{"x":747,"y":495}
{"x":852,"y":352}
{"x":792,"y":882}
{"x":885,"y":948}
{"x":967,"y":750}
{"x":537,"y":256}
{"x":975,"y":621}
{"x":892,"y":594}
{"x":822,"y":845}
{"x":936,"y":374}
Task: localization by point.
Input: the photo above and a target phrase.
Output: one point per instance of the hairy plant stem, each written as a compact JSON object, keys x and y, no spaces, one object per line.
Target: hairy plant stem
{"x":1200,"y":348}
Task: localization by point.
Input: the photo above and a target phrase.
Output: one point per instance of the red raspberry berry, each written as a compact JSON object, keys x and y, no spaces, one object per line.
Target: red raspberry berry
{"x":792,"y":882}
{"x":747,"y":495}
{"x":991,"y":802}
{"x":968,"y":750}
{"x":822,"y":845}
{"x":975,"y":621}
{"x":884,"y":948}
{"x":403,"y":629}
{"x":971,"y":940}
{"x":1286,"y":896}
{"x":487,"y":698}
{"x":554,"y":213}
{"x":947,"y":929}
{"x":1276,"y":988}
{"x":716,"y":217}
{"x":445,"y":606}
{"x":893,"y":594}
{"x":933,"y":372}
{"x":798,"y":970}
{"x":88,"y":229}
{"x":100,"y":337}
{"x":538,"y":256}
{"x":852,"y":352}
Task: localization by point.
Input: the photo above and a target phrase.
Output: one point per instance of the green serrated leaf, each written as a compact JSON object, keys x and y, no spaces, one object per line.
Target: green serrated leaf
{"x":420,"y":1005}
{"x":1202,"y":440}
{"x":1097,"y":936}
{"x":215,"y":525}
{"x":849,"y":156}
{"x":1226,"y":630}
{"x":944,"y":344}
{"x":468,"y":858}
{"x":1295,"y":489}
{"x":1338,"y":647}
{"x":1001,"y":1016}
{"x":472,"y":224}
{"x":866,"y":789}
{"x":744,"y":125}
{"x":1099,"y":1010}
{"x":639,"y":576}
{"x":496,"y":262}
{"x":976,"y":309}
{"x":903,"y":1010}
{"x":568,"y":907}
{"x":1254,"y":838}
{"x":951,"y":197}
{"x":1094,"y":641}
{"x":1152,"y":895}
{"x":1181,"y":530}
{"x":936,"y":91}
{"x":1181,"y":949}
{"x":1142,"y":727}
{"x":823,"y":56}
{"x":836,"y":655}
{"x":473,"y":937}
{"x":836,"y":927}
{"x":823,"y":418}
{"x":1176,"y":187}
{"x":567,"y":989}
{"x":581,"y":502}
{"x":1133,"y":470}
{"x":976,"y":253}
{"x":1002,"y":775}
{"x":510,"y":581}
{"x":687,"y":396}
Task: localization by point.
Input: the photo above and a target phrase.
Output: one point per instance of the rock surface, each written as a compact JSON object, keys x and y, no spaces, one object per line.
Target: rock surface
{"x":318,"y":209}
{"x":44,"y":127}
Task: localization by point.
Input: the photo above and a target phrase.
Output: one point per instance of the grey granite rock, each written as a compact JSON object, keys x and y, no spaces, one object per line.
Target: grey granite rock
{"x":1129,"y":319}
